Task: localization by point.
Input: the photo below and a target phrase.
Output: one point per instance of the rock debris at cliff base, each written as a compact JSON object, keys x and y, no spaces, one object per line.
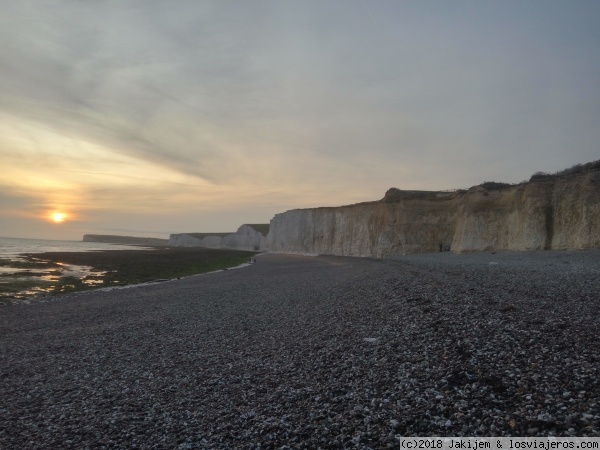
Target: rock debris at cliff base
{"x":299,"y":352}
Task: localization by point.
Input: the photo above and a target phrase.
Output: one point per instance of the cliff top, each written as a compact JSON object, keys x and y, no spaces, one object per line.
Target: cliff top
{"x":260,"y":227}
{"x":394,"y":195}
{"x":573,"y":170}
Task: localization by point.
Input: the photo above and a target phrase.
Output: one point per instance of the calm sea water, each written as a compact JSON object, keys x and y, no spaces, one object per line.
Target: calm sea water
{"x":11,"y":247}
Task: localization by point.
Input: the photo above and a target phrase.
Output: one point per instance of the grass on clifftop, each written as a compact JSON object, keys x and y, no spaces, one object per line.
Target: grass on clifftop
{"x":260,"y":227}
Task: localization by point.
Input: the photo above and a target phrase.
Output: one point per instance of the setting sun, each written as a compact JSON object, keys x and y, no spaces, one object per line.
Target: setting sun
{"x":58,"y":217}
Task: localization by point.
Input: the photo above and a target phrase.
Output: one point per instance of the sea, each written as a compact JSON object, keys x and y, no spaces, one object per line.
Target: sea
{"x":12,"y":247}
{"x":23,"y":280}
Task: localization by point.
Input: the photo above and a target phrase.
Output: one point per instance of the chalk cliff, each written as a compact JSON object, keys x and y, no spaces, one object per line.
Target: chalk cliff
{"x":553,"y":212}
{"x":251,"y":237}
{"x":185,"y":240}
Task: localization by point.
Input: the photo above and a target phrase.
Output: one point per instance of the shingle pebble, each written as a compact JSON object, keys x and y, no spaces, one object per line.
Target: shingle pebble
{"x":301,"y":352}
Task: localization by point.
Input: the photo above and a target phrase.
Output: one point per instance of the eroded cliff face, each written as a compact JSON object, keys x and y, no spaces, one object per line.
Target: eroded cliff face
{"x":416,"y":222}
{"x":513,"y":218}
{"x":553,"y":213}
{"x":576,"y":212}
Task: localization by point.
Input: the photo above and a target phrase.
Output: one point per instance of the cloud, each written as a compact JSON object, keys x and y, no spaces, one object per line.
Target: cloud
{"x":289,"y":103}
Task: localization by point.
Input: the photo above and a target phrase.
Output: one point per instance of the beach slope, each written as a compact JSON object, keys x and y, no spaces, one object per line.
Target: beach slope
{"x":306,"y":352}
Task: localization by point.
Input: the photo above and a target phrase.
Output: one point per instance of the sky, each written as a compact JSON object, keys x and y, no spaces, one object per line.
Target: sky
{"x":151,"y":117}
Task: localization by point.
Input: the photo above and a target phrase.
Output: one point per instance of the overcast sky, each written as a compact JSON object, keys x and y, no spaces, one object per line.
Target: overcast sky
{"x":148,"y":117}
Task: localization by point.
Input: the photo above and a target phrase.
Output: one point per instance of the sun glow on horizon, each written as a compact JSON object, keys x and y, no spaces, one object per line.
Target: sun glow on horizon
{"x":58,"y":217}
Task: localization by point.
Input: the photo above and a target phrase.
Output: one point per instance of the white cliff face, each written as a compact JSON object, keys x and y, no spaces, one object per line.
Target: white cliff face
{"x":554,"y":213}
{"x":506,"y":219}
{"x":576,"y":212}
{"x":212,"y":242}
{"x":184,"y":240}
{"x":379,"y":229}
{"x":245,"y":238}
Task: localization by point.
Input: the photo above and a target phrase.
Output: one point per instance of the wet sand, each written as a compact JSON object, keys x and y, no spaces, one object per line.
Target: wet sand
{"x":60,"y":272}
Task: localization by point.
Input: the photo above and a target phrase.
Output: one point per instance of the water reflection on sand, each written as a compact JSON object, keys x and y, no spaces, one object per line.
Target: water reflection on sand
{"x":26,"y":277}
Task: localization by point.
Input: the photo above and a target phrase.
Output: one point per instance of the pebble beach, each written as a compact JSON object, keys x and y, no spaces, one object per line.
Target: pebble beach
{"x":300,"y":352}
